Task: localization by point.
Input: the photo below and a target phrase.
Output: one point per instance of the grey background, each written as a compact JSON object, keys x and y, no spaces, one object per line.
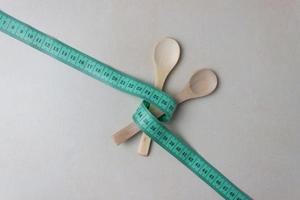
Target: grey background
{"x":56,"y":123}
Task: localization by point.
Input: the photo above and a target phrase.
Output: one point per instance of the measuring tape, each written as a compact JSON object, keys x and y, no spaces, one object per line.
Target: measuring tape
{"x":128,"y":84}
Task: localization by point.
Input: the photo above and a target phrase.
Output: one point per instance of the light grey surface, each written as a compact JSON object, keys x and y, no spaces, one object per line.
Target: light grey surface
{"x":56,"y":123}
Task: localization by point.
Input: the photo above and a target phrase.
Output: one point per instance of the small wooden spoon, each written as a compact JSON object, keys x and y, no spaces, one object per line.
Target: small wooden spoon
{"x":202,"y":83}
{"x":166,"y":56}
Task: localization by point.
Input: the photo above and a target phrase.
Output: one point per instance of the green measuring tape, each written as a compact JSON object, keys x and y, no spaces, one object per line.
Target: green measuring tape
{"x":128,"y":84}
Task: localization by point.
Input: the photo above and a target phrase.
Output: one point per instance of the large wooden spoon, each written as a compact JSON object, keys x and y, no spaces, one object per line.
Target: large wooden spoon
{"x":202,"y":83}
{"x":166,"y":56}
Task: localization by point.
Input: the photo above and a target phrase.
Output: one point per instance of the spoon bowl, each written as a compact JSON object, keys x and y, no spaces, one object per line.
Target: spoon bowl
{"x":202,"y":83}
{"x":166,"y":56}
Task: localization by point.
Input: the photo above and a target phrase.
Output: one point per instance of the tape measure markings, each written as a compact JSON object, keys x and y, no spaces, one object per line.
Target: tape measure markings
{"x":87,"y":64}
{"x":185,"y":154}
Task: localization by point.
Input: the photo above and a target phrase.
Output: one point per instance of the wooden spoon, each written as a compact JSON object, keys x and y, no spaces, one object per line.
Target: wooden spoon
{"x":166,"y":56}
{"x":202,"y":83}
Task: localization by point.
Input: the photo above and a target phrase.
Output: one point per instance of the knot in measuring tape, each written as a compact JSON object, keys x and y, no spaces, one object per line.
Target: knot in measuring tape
{"x":164,"y":102}
{"x":143,"y":109}
{"x":147,"y":122}
{"x":130,"y":85}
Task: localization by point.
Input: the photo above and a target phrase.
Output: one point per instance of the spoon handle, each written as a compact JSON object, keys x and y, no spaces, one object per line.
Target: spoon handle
{"x":125,"y":133}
